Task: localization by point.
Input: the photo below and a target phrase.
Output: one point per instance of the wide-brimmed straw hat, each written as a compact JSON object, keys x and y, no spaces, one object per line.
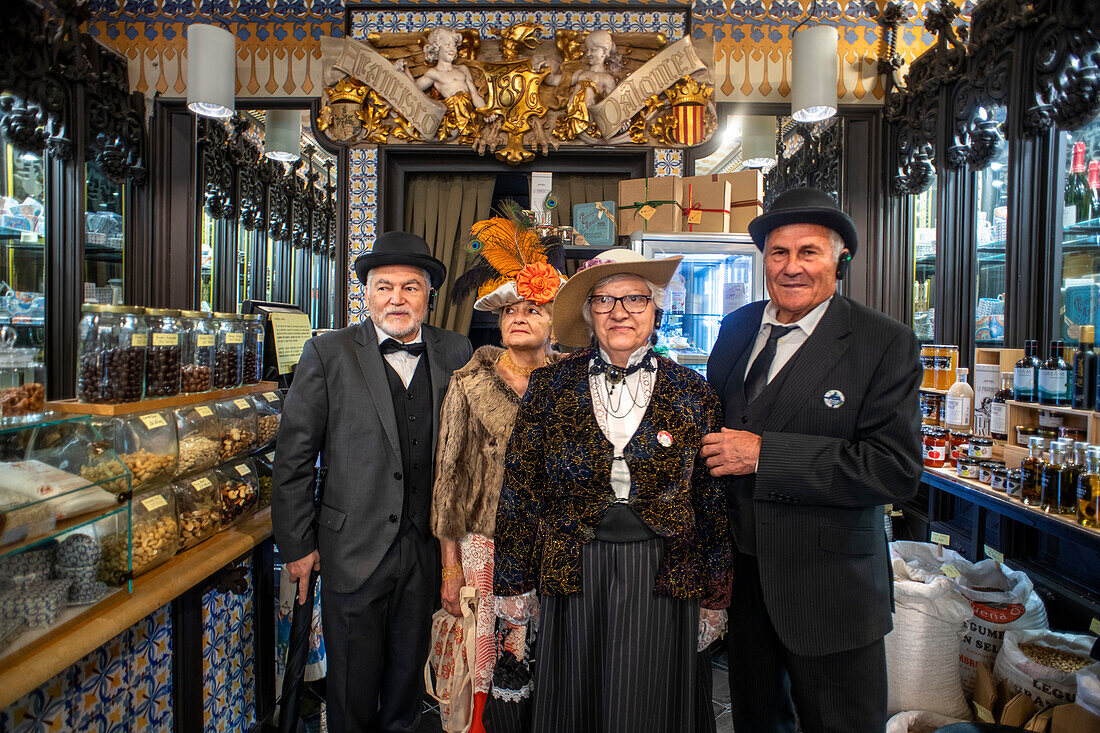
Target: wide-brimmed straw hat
{"x":569,"y":325}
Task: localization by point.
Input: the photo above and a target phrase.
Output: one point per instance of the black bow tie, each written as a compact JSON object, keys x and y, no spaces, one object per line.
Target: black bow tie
{"x":616,"y":374}
{"x":390,"y":346}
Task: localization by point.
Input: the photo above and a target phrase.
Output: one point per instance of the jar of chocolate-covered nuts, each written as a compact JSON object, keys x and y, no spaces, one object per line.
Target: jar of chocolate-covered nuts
{"x":229,"y":353}
{"x":240,"y":491}
{"x":198,"y":507}
{"x":253,"y":359}
{"x":111,"y":354}
{"x":163,"y":360}
{"x":199,"y":345}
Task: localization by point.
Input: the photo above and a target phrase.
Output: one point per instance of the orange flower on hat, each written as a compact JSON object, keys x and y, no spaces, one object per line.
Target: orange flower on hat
{"x":538,"y":282}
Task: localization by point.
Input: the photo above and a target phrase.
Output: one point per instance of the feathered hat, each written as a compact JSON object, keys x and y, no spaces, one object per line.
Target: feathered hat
{"x":514,"y":263}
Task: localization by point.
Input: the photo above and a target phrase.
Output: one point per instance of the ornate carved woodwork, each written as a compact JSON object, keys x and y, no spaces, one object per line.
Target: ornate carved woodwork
{"x":810,"y":154}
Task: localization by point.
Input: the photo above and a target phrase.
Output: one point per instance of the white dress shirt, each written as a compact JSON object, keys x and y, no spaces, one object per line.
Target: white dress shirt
{"x":402,"y":362}
{"x":787,"y":345}
{"x":619,"y":411}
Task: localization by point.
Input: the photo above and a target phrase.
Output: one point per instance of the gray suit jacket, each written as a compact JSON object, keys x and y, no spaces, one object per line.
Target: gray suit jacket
{"x":826,"y":470}
{"x":340,"y":407}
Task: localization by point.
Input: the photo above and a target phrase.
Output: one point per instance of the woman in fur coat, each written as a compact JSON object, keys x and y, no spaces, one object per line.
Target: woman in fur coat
{"x":476,"y":422}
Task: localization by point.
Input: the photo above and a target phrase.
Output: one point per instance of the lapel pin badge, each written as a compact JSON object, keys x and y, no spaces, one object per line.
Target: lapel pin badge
{"x":664,"y":438}
{"x":834,"y":398}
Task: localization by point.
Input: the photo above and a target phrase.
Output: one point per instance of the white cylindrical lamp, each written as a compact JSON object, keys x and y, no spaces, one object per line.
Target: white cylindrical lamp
{"x":757,"y":141}
{"x":283,"y":134}
{"x":815,"y":74}
{"x":211,"y":70}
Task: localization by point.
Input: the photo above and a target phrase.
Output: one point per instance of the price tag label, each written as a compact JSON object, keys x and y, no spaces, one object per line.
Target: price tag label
{"x":271,"y":396}
{"x":28,"y":238}
{"x":204,"y":411}
{"x":695,"y":216}
{"x":941,"y":539}
{"x":646,"y":212}
{"x":951,"y":571}
{"x":243,"y":469}
{"x":204,"y":340}
{"x":234,"y":338}
{"x":990,"y":552}
{"x":166,"y":339}
{"x":141,"y":340}
{"x":242,"y":404}
{"x":984,"y":715}
{"x":153,"y":503}
{"x":1094,"y":627}
{"x":201,"y":484}
{"x":153,"y":421}
{"x":270,"y":456}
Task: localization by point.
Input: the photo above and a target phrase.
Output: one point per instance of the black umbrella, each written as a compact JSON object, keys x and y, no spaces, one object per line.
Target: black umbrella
{"x":297,"y":654}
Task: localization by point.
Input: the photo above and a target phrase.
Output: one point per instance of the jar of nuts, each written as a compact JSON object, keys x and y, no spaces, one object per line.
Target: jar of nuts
{"x":147,"y":444}
{"x":155,"y":531}
{"x":237,"y":418}
{"x":111,"y":354}
{"x":162,"y":362}
{"x":265,"y":465}
{"x":199,"y":345}
{"x":240,"y":491}
{"x":268,"y":407}
{"x":200,"y":438}
{"x":198,"y":507}
{"x":229,"y":353}
{"x":253,"y":364}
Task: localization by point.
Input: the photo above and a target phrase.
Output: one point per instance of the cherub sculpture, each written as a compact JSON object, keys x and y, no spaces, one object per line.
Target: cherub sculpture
{"x":454,"y":83}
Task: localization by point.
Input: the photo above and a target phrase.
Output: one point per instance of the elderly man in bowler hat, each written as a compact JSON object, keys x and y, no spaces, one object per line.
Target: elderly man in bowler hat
{"x":366,"y":399}
{"x":821,"y":430}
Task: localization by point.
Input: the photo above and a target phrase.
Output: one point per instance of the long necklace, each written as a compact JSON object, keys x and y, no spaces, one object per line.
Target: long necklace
{"x":510,"y":364}
{"x":608,"y":391}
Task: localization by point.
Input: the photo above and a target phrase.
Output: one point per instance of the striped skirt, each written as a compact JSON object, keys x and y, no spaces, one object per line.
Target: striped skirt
{"x":616,"y":658}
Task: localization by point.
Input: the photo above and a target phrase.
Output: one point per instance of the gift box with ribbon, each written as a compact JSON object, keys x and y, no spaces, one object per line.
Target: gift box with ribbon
{"x":650,"y":205}
{"x":746,"y":198}
{"x":706,"y":204}
{"x":596,"y":222}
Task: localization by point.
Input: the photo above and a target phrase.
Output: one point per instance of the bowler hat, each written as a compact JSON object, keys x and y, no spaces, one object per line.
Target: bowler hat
{"x":804,"y":206}
{"x":400,"y":248}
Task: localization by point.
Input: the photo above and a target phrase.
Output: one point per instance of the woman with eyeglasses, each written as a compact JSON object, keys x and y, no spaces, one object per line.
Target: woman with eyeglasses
{"x":610,"y":531}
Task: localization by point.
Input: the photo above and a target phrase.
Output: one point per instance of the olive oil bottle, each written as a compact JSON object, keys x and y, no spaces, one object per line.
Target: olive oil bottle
{"x":1055,"y":475}
{"x":1088,"y":491}
{"x":1031,"y":472}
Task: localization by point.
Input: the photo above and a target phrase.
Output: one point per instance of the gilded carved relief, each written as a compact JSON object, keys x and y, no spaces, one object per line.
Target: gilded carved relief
{"x":518,"y":92}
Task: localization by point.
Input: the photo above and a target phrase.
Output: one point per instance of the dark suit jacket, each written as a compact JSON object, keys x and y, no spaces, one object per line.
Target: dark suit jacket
{"x":340,"y":406}
{"x":557,"y":485}
{"x":824,"y":472}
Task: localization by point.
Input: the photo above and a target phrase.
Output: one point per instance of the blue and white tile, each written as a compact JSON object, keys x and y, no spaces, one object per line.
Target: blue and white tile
{"x":668,"y":162}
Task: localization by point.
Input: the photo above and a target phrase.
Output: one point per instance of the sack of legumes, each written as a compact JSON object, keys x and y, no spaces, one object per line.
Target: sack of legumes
{"x":1043,"y":665}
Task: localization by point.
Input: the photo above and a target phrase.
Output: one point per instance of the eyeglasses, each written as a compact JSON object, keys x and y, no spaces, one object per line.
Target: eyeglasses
{"x":631,"y":303}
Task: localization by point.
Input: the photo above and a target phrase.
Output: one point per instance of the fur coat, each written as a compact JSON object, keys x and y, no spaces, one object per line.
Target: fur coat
{"x":475,"y":424}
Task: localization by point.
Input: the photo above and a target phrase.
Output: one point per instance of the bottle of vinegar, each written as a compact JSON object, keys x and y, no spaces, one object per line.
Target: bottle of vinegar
{"x":959,"y":413}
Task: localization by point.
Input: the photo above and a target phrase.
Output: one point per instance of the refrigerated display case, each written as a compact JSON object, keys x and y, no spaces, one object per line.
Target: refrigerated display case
{"x":719,"y":274}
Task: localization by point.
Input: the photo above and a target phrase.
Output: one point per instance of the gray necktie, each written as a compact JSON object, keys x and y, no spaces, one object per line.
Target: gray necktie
{"x":757,"y":378}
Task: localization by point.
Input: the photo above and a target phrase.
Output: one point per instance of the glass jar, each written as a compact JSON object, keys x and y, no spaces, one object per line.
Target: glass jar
{"x":265,"y":468}
{"x":967,"y":467}
{"x":930,"y":408}
{"x":999,"y":478}
{"x":155,"y":528}
{"x":269,"y":412}
{"x":1023,"y":432}
{"x":229,"y":352}
{"x":240,"y":491}
{"x":1073,"y":435}
{"x":960,"y":446}
{"x":237,"y":418}
{"x":22,"y":379}
{"x":985,"y":471}
{"x":1014,"y":483}
{"x":199,"y":345}
{"x":252,"y":365}
{"x":200,"y":438}
{"x":162,"y":364}
{"x":111,"y":354}
{"x":935,"y":448}
{"x":198,"y":507}
{"x":146,"y":443}
{"x":981,"y":449}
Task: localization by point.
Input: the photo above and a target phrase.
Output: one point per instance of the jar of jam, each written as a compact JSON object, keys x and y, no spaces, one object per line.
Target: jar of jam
{"x":981,"y":448}
{"x":960,"y":443}
{"x":936,"y":448}
{"x":1048,"y":435}
{"x":1023,"y":432}
{"x":985,"y":471}
{"x":930,"y":408}
{"x":967,"y":467}
{"x":1014,"y":483}
{"x":998,"y":478}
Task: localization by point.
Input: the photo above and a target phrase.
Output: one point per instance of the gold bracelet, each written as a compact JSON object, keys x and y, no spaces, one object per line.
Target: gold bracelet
{"x":452,"y":571}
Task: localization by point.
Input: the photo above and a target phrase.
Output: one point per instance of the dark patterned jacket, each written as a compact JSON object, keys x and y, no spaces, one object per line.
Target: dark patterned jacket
{"x":557,"y":485}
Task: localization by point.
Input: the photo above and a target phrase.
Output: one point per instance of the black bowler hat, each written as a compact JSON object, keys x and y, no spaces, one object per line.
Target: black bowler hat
{"x":804,"y":206}
{"x":400,"y":248}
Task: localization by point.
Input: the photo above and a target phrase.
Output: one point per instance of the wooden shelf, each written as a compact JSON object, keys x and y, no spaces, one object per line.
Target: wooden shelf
{"x":129,"y":408}
{"x":930,"y":390}
{"x":29,"y":667}
{"x":1053,"y":408}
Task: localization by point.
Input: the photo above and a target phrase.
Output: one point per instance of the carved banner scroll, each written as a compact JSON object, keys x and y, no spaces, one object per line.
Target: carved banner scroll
{"x":657,"y":75}
{"x":348,"y":57}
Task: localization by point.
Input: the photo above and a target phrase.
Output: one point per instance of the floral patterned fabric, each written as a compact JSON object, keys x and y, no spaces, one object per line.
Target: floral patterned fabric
{"x":557,"y":485}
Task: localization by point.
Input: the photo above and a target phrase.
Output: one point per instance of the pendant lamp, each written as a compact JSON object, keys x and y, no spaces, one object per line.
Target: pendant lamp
{"x":283,"y":134}
{"x":815,"y":74}
{"x":757,"y":141}
{"x":211,"y":70}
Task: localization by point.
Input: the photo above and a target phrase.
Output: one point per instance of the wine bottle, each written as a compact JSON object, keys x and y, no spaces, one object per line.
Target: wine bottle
{"x":1055,"y":387}
{"x":998,"y":410}
{"x":1077,"y":194}
{"x":1025,"y":374}
{"x":1094,"y":189}
{"x":1084,"y":370}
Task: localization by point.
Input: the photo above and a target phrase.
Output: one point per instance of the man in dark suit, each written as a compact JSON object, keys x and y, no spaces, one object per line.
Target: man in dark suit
{"x":821,"y":429}
{"x":366,"y":399}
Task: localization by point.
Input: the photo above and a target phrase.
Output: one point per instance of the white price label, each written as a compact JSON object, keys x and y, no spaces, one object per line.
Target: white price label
{"x":950,"y":571}
{"x":241,"y":404}
{"x":234,"y":338}
{"x":271,"y":396}
{"x":201,"y":484}
{"x":204,"y":411}
{"x":990,"y":552}
{"x":140,"y":340}
{"x":1094,"y":627}
{"x":243,"y":469}
{"x":153,"y":503}
{"x":940,"y":538}
{"x":166,"y":339}
{"x":204,"y":340}
{"x":153,"y":421}
{"x":270,"y":456}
